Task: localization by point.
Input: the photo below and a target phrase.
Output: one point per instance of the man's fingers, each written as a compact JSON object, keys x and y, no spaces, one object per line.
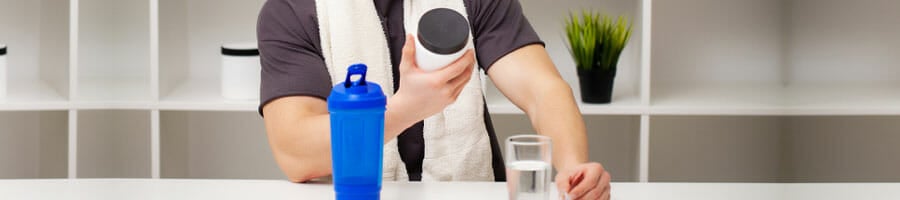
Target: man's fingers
{"x":408,"y":53}
{"x":457,"y":67}
{"x":462,"y":78}
{"x":604,"y":180}
{"x":562,"y":185}
{"x":577,"y":177}
{"x":594,"y":194}
{"x":604,"y":186}
{"x":590,"y":181}
{"x":605,"y":195}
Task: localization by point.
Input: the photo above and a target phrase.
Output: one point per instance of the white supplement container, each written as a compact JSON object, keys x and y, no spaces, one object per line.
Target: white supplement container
{"x":240,"y":71}
{"x":3,"y":71}
{"x":441,"y":38}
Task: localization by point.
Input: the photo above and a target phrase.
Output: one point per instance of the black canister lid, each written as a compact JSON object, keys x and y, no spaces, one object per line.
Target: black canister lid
{"x":443,"y":31}
{"x":2,"y":49}
{"x":240,"y":49}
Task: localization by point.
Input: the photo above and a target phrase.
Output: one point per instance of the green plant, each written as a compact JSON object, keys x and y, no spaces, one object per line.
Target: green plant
{"x":596,"y":40}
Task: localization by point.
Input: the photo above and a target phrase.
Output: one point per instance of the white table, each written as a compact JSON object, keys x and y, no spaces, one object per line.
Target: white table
{"x":273,"y":189}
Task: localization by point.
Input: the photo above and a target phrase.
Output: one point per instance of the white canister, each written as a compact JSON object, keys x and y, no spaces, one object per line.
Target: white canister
{"x":441,"y":36}
{"x":3,"y":71}
{"x":240,"y":71}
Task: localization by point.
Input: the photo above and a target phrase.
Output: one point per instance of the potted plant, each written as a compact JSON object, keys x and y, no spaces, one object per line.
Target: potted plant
{"x":596,"y":42}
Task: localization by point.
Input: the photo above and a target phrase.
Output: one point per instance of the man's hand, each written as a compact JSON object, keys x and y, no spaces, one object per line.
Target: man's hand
{"x":588,"y":181}
{"x":422,"y":94}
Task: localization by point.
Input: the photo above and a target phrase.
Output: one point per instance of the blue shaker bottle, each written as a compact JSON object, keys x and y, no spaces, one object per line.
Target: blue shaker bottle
{"x":357,"y":136}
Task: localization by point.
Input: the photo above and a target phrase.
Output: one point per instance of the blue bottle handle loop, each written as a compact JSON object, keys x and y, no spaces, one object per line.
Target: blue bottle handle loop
{"x":356,"y":94}
{"x":356,"y":69}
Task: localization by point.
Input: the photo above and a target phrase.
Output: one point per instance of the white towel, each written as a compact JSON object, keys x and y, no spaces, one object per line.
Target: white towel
{"x":457,"y":146}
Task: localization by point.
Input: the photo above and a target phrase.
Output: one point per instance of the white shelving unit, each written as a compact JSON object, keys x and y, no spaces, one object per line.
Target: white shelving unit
{"x":772,"y":90}
{"x":37,"y":35}
{"x":775,"y":57}
{"x":130,"y":88}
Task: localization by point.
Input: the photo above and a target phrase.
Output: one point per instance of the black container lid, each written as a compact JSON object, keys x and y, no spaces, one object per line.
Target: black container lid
{"x":443,"y":31}
{"x":2,"y":49}
{"x":240,"y":49}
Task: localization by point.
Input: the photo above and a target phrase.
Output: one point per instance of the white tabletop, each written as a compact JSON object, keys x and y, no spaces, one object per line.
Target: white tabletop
{"x":274,"y":189}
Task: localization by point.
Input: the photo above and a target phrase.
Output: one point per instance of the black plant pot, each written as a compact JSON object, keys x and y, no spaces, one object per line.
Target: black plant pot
{"x":596,"y":85}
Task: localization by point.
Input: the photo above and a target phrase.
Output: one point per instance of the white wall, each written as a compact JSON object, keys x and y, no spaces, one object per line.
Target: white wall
{"x":716,"y":149}
{"x":33,"y":144}
{"x":113,"y":144}
{"x":216,"y":145}
{"x":837,"y":41}
{"x":842,"y":149}
{"x":114,"y":40}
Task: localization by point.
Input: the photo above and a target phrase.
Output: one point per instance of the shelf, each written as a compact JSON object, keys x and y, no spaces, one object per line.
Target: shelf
{"x":25,"y":95}
{"x":625,"y":104}
{"x":113,"y":94}
{"x":203,"y":95}
{"x":843,"y":99}
{"x":721,"y":99}
{"x":763,"y":99}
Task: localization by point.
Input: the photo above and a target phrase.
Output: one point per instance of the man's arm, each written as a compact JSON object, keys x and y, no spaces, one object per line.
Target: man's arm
{"x":299,"y":134}
{"x":294,"y":126}
{"x":529,"y":79}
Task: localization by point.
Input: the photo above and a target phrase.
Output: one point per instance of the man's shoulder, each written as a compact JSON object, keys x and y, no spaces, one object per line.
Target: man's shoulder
{"x":296,"y":15}
{"x":480,"y":11}
{"x":292,"y":21}
{"x":300,"y":8}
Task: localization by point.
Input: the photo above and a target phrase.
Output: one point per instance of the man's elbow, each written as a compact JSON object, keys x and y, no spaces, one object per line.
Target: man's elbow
{"x":300,"y":177}
{"x":304,"y":173}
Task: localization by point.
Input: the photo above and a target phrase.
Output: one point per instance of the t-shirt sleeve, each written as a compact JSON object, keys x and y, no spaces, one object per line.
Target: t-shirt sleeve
{"x":499,"y":28}
{"x":290,"y":53}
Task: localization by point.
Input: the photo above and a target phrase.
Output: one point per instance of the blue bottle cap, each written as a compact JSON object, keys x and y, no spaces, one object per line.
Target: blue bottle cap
{"x":356,"y":94}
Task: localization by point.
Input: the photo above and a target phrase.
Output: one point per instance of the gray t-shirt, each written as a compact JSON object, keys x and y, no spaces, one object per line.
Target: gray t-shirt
{"x":292,"y":62}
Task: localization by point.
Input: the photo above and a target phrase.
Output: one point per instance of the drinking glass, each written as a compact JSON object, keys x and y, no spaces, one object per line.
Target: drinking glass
{"x":528,"y":165}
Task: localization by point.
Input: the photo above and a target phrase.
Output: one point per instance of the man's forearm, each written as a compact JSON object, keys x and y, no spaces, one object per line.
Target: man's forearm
{"x":396,"y":119}
{"x":301,"y":146}
{"x":529,"y":79}
{"x":555,"y":114}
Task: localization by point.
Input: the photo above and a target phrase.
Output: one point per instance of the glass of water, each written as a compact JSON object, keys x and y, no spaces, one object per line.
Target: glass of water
{"x":528,"y":165}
